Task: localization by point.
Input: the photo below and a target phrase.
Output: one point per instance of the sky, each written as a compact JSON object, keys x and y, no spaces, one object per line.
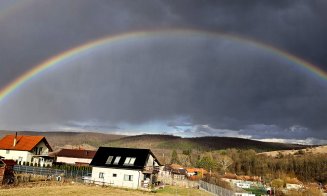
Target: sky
{"x":195,"y":68}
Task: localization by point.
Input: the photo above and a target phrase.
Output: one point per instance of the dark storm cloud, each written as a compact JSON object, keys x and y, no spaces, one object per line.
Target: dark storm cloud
{"x":294,"y":26}
{"x":209,"y":84}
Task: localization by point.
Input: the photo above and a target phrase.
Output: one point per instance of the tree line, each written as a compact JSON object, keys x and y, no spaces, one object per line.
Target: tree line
{"x":307,"y":167}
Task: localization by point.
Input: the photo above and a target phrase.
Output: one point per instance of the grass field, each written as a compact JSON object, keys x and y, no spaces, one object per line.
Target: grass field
{"x":81,"y":189}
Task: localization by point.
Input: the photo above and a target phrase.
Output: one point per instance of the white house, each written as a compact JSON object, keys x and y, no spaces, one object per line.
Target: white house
{"x":124,"y":167}
{"x":243,"y":185}
{"x":75,"y":156}
{"x":290,"y":186}
{"x":25,"y":149}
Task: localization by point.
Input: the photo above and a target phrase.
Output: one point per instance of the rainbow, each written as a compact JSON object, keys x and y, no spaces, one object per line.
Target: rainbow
{"x":57,"y":59}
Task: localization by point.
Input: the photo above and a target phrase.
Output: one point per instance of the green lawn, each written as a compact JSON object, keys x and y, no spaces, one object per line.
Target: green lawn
{"x":256,"y":191}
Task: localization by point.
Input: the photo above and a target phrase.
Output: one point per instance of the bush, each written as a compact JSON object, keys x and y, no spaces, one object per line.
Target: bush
{"x":277,"y":183}
{"x":313,"y":191}
{"x":300,"y":152}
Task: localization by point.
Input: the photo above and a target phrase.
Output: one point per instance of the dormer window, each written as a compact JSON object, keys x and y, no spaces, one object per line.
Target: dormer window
{"x":116,"y":160}
{"x":129,"y":160}
{"x":109,"y":160}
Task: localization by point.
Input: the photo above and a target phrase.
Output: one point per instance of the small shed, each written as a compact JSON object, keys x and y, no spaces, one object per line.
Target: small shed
{"x":7,"y":171}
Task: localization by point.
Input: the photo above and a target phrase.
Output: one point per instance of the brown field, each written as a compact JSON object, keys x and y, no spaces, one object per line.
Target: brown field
{"x":314,"y":150}
{"x":87,"y":190}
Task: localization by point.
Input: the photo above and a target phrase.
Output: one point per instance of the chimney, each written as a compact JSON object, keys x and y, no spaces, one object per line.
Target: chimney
{"x":15,"y":139}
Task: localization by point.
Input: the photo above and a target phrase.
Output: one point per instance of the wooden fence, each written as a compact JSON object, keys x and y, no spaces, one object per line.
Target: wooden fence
{"x":44,"y":171}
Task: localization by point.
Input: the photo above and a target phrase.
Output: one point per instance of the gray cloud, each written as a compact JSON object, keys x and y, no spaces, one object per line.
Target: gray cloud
{"x":180,"y":80}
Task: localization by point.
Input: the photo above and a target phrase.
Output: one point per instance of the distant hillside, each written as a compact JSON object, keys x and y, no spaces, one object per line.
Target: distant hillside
{"x":199,"y":143}
{"x":156,"y":142}
{"x":312,"y":150}
{"x":56,"y":140}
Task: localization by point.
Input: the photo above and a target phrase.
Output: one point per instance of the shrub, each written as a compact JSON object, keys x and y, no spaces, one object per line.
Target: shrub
{"x":313,"y":191}
{"x":277,"y":183}
{"x":300,"y":152}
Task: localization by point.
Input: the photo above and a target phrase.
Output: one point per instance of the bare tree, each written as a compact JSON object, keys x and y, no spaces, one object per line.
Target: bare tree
{"x":224,"y":162}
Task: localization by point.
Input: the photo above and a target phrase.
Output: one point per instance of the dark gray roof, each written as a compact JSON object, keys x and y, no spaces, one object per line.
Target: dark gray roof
{"x":103,"y":153}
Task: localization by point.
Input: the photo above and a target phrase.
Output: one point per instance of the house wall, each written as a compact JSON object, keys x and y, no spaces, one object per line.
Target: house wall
{"x":15,"y":154}
{"x":71,"y":160}
{"x":45,"y":149}
{"x":293,"y":186}
{"x":26,"y":155}
{"x":150,"y":161}
{"x":243,"y":185}
{"x":119,"y":181}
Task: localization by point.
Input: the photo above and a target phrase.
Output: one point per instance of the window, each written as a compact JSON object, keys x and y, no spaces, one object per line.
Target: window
{"x":37,"y":150}
{"x":132,"y":161}
{"x":129,"y":161}
{"x":7,"y":151}
{"x":101,"y":175}
{"x":116,"y":161}
{"x":109,"y":160}
{"x":114,"y":175}
{"x":128,"y":177}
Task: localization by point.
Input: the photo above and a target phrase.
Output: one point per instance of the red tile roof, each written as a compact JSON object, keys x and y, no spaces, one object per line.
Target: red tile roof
{"x":76,"y":153}
{"x":192,"y":170}
{"x":24,"y":142}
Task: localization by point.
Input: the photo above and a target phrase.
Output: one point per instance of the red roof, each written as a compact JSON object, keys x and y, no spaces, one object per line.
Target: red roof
{"x":23,"y":142}
{"x":76,"y":153}
{"x":192,"y":170}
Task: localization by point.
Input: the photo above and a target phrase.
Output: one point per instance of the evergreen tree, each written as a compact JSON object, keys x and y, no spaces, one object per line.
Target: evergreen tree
{"x":174,"y":158}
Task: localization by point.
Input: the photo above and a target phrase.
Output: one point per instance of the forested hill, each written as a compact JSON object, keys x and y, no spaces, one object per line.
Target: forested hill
{"x":200,"y":143}
{"x":94,"y":140}
{"x":87,"y":140}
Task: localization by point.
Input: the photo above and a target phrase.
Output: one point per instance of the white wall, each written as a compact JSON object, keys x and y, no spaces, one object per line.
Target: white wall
{"x":243,"y":185}
{"x":71,"y":160}
{"x":15,"y":154}
{"x":119,"y":181}
{"x":45,"y":149}
{"x":26,"y":155}
{"x":293,"y":186}
{"x":150,"y":161}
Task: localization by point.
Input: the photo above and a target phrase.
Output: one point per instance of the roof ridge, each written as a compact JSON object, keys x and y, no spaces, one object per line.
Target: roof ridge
{"x":126,"y":148}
